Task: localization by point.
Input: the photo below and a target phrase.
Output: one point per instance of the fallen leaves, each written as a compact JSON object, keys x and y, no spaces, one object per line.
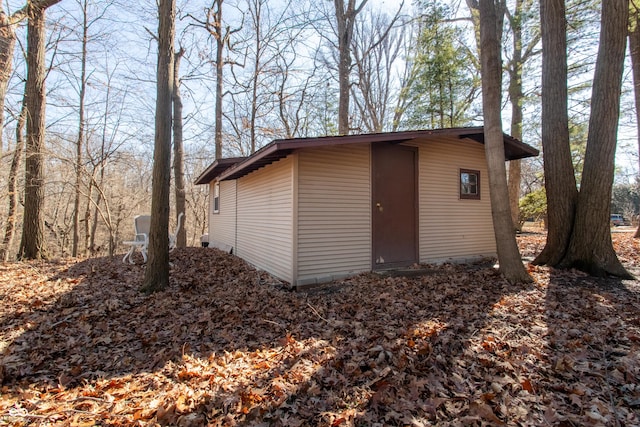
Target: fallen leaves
{"x":227,"y":345}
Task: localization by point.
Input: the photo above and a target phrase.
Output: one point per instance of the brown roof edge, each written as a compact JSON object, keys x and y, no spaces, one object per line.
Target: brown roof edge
{"x":280,"y":148}
{"x":216,"y":168}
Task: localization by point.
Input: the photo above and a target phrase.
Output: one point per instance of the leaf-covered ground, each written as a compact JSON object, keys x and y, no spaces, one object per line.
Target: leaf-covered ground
{"x":226,"y":345}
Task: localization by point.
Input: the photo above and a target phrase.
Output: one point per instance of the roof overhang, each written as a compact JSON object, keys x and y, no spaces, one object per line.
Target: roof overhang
{"x":280,"y":148}
{"x":216,"y":168}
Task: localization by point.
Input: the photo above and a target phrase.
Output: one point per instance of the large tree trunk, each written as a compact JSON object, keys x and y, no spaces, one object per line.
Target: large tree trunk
{"x":508,"y":256}
{"x":345,"y":20}
{"x":11,"y":187}
{"x":80,"y":140}
{"x":7,"y":45}
{"x":156,"y":275}
{"x":178,"y":152}
{"x":32,"y":244}
{"x":560,"y":181}
{"x":634,"y":48}
{"x":590,"y":248}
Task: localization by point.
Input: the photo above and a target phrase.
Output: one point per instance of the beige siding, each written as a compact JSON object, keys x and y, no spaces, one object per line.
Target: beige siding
{"x":222,"y":226}
{"x":334,"y":214}
{"x":265,"y":218}
{"x":452,"y":228}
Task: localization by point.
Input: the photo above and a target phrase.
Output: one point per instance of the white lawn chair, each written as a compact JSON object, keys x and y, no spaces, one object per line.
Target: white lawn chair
{"x":142,"y":225}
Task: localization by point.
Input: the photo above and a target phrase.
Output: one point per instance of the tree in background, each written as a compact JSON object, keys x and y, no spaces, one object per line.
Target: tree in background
{"x":376,"y":46}
{"x":12,"y":186}
{"x":81,"y":126}
{"x":444,"y":82}
{"x":156,"y":275}
{"x":523,"y":49}
{"x":178,"y":152}
{"x":508,"y":255}
{"x":634,"y":49}
{"x":345,"y":22}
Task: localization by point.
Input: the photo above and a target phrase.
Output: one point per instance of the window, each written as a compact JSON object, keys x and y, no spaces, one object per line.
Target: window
{"x":216,"y":198}
{"x":469,"y":184}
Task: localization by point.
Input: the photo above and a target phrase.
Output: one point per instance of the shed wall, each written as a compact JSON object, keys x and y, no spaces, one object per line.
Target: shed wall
{"x":265,"y":218}
{"x":452,"y":228}
{"x":334,"y":212}
{"x":222,"y":227}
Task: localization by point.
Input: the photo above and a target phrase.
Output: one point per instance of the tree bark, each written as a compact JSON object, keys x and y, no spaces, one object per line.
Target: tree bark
{"x":508,"y":256}
{"x":156,"y":276}
{"x":7,"y":45}
{"x":32,"y":245}
{"x":345,"y":20}
{"x":178,"y":153}
{"x":220,"y":39}
{"x":590,"y":248}
{"x":11,"y":187}
{"x":634,"y":49}
{"x":516,"y":96}
{"x":560,"y":181}
{"x":80,"y":139}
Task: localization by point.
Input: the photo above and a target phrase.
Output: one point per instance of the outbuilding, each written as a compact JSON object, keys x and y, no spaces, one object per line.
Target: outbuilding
{"x":312,"y":210}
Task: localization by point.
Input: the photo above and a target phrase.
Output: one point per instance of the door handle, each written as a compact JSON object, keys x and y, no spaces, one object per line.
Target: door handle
{"x":379,"y":206}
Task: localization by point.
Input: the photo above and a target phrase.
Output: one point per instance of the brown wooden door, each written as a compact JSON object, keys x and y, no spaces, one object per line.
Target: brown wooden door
{"x":395,"y":206}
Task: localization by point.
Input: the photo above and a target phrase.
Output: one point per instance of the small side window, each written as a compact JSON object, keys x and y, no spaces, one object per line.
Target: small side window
{"x":469,"y":184}
{"x":216,"y":198}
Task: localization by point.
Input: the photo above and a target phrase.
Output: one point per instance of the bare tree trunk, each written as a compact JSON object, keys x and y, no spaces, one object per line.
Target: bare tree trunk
{"x":590,"y":248}
{"x":256,"y":75}
{"x":88,"y":249}
{"x":634,"y":48}
{"x":80,"y":140}
{"x":101,"y":164}
{"x":11,"y":187}
{"x":516,"y":96}
{"x":156,"y":275}
{"x":220,"y":39}
{"x":32,"y":245}
{"x":508,"y":256}
{"x":178,"y":152}
{"x":7,"y":45}
{"x":560,"y":181}
{"x":345,"y":20}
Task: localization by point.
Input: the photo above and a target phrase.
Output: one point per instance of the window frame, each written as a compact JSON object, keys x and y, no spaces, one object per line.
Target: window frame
{"x":216,"y":198}
{"x":469,"y":196}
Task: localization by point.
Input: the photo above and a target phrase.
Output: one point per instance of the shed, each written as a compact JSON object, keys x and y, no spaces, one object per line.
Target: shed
{"x":312,"y":210}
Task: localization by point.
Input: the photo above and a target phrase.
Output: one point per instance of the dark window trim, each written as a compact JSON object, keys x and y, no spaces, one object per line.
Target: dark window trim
{"x":469,"y":196}
{"x":216,"y":198}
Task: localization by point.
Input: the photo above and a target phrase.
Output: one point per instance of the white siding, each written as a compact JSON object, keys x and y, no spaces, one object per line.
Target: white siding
{"x":452,"y":228}
{"x":265,"y":218}
{"x":334,"y":212}
{"x":222,"y":226}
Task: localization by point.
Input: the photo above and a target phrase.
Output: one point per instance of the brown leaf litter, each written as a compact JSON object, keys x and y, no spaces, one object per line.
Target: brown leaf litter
{"x":227,"y":345}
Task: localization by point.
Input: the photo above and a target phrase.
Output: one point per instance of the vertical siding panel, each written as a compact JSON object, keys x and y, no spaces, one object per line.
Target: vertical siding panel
{"x":334,"y":211}
{"x":222,"y":228}
{"x":265,"y":218}
{"x":452,"y":228}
